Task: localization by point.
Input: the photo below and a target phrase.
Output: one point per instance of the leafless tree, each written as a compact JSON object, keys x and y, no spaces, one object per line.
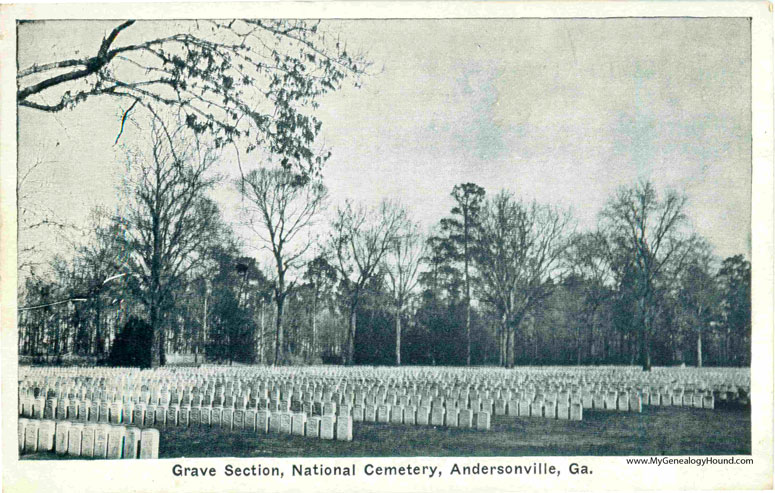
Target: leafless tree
{"x":170,"y":219}
{"x":650,"y":235}
{"x":520,"y":258}
{"x":402,"y":265}
{"x":359,"y":241}
{"x":246,"y":80}
{"x":280,"y":210}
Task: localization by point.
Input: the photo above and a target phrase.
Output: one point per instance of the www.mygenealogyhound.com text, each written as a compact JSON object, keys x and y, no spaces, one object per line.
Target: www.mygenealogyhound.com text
{"x":690,"y":461}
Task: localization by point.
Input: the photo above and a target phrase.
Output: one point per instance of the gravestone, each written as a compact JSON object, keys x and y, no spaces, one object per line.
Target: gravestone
{"x":344,"y":428}
{"x":329,"y":408}
{"x":61,"y":410}
{"x":636,"y":403}
{"x":101,"y":441}
{"x":327,"y":423}
{"x":358,"y":412}
{"x":104,"y":411}
{"x":132,"y":437}
{"x":274,"y":422}
{"x":149,"y":444}
{"x":437,"y":416}
{"x":482,"y":420}
{"x":87,"y":439}
{"x":94,"y":411}
{"x":598,"y":400}
{"x":410,"y":414}
{"x":465,"y":418}
{"x":697,"y":400}
{"x":370,"y":413}
{"x":312,"y":427}
{"x":537,"y":409}
{"x":397,"y":414}
{"x":38,"y":407}
{"x":160,"y":416}
{"x":500,"y":407}
{"x":707,"y":402}
{"x":285,"y":422}
{"x":31,"y":436}
{"x":622,"y":402}
{"x":138,"y":415}
{"x":238,"y":419}
{"x":49,"y":411}
{"x":383,"y":413}
{"x":451,"y":416}
{"x":205,"y":413}
{"x":262,"y":421}
{"x":610,"y":401}
{"x":563,"y":410}
{"x":587,"y":400}
{"x":550,"y":409}
{"x":576,"y":411}
{"x":72,"y":410}
{"x":60,"y":437}
{"x":298,"y":422}
{"x":116,"y":441}
{"x":171,"y":418}
{"x":524,"y":408}
{"x":74,"y":437}
{"x":184,"y":416}
{"x":46,"y":433}
{"x":423,"y":415}
{"x":227,"y":418}
{"x":115,"y":412}
{"x":513,"y":408}
{"x":22,"y":424}
{"x":215,"y":416}
{"x":250,"y":419}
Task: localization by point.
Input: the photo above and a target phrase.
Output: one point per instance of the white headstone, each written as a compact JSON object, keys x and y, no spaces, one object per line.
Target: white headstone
{"x":61,"y":437}
{"x":87,"y":439}
{"x":149,"y":444}
{"x":31,"y":436}
{"x":312,"y":427}
{"x":344,"y":428}
{"x":116,"y":441}
{"x":298,"y":423}
{"x":46,"y":434}
{"x":327,"y":423}
{"x":74,"y":439}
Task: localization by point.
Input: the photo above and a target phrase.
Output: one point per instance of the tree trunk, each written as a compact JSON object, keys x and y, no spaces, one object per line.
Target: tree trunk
{"x":314,"y":326}
{"x":278,"y":348}
{"x":157,"y":338}
{"x":351,"y":335}
{"x":398,"y":337}
{"x":699,"y":349}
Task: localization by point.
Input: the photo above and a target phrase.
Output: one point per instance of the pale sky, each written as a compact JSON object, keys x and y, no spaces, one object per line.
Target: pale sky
{"x":563,"y":111}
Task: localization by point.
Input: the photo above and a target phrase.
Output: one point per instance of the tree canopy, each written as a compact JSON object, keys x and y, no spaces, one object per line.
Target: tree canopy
{"x":248,"y":82}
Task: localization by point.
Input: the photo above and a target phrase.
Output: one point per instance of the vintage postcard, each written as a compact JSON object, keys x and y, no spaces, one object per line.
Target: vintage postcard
{"x":387,"y":246}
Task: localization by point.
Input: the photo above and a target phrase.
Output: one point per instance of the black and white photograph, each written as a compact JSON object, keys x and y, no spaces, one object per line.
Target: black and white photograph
{"x":387,"y":252}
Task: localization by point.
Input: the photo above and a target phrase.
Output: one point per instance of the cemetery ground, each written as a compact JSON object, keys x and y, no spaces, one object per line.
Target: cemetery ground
{"x":654,"y":431}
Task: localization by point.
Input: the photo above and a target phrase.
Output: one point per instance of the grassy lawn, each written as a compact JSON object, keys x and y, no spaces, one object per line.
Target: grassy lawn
{"x":655,"y":431}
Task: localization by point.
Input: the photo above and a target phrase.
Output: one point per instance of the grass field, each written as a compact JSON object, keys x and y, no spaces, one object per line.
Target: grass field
{"x":655,"y":431}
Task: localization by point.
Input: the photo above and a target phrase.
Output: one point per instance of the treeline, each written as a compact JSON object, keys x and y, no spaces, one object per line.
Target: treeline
{"x":499,"y":281}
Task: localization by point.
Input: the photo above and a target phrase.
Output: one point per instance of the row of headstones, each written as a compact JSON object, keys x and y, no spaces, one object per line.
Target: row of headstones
{"x":497,"y":391}
{"x":262,"y":397}
{"x":590,"y":400}
{"x":118,"y":412}
{"x":499,"y":407}
{"x":101,"y":441}
{"x":523,"y":376}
